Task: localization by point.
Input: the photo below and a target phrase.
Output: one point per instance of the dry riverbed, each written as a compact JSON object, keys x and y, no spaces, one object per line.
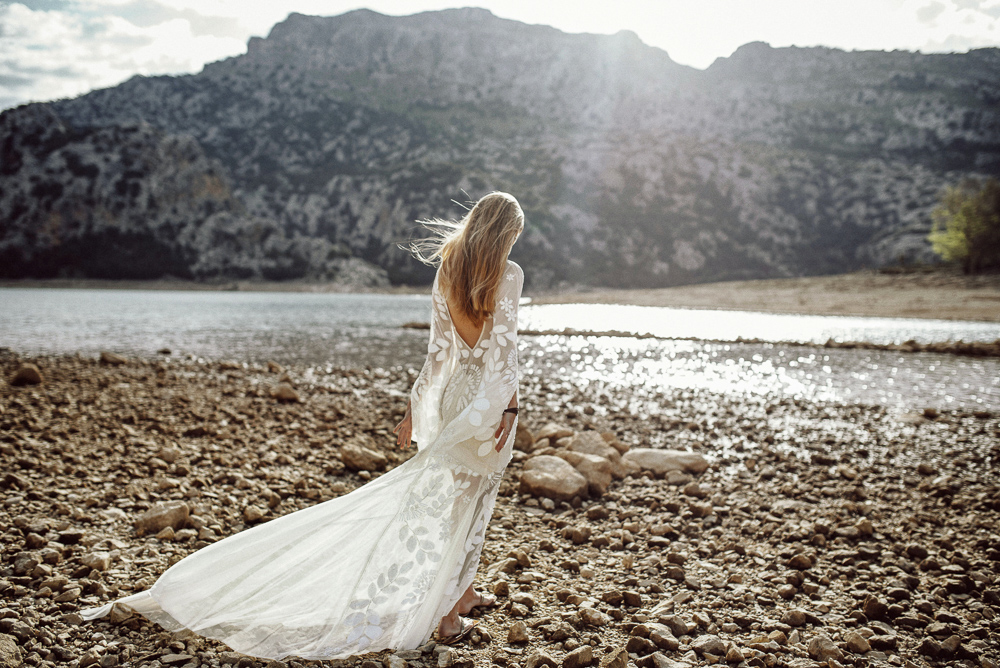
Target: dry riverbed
{"x":945,"y":294}
{"x":818,"y":535}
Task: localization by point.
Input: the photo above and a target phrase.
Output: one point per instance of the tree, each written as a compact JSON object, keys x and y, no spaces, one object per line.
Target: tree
{"x":967,"y":225}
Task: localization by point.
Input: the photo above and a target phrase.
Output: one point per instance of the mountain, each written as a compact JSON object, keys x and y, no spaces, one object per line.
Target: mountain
{"x":313,"y":154}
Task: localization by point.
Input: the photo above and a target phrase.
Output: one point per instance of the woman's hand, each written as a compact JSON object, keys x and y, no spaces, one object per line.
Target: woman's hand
{"x":404,"y":430}
{"x":503,"y":430}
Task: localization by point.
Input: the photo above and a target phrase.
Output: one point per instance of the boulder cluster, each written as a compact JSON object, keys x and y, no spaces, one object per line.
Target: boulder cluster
{"x":772,"y":531}
{"x":563,"y":465}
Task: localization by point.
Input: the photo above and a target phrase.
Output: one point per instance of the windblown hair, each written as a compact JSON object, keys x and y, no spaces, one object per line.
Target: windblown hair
{"x":472,"y":253}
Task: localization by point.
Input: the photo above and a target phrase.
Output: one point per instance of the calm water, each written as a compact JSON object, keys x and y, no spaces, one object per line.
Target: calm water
{"x":364,"y":330}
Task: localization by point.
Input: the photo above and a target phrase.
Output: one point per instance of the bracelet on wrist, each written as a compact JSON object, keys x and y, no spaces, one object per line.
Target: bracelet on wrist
{"x":511,"y":410}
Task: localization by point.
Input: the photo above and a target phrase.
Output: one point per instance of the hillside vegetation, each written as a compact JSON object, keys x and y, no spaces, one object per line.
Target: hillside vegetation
{"x":311,"y":156}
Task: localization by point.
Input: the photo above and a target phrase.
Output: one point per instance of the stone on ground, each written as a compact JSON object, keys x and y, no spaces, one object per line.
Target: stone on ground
{"x":554,"y":478}
{"x":597,"y":470}
{"x":164,"y":514}
{"x":26,"y":374}
{"x":359,"y":458}
{"x":662,"y":461}
{"x":10,"y":655}
{"x":112,"y":359}
{"x":285,"y":392}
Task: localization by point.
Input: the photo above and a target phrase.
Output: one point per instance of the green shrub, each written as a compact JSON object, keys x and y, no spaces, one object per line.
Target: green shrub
{"x":967,"y":225}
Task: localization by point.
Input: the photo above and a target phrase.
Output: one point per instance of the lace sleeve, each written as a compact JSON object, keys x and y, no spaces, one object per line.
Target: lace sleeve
{"x":480,"y":418}
{"x":426,"y":393}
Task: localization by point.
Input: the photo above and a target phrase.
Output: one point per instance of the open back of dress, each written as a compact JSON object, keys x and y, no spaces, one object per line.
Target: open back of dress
{"x":377,"y":568}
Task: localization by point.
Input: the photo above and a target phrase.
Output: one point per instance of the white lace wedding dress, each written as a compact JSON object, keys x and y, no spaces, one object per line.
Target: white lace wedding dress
{"x":377,"y":568}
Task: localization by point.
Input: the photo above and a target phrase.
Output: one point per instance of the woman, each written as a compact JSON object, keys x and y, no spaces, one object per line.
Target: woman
{"x":387,"y":564}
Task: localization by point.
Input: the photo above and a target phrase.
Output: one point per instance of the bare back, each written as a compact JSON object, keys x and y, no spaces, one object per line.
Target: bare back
{"x":464,"y":326}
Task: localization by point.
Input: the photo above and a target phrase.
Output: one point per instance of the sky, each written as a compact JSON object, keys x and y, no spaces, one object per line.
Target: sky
{"x":51,"y":49}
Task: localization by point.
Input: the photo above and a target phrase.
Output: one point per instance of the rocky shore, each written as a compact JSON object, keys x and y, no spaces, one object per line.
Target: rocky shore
{"x":779,"y":533}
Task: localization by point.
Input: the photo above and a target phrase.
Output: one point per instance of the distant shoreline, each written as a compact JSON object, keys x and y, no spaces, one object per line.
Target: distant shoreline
{"x":942,"y":294}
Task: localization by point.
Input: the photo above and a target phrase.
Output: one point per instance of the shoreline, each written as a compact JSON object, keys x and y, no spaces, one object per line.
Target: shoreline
{"x":938,"y":295}
{"x":819,"y":530}
{"x":941,"y":294}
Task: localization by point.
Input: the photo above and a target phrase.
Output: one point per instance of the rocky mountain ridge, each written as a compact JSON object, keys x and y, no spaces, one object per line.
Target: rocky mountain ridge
{"x":329,"y":138}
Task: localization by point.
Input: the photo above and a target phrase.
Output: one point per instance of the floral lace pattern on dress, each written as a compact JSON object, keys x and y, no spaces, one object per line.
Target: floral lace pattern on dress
{"x":377,"y":568}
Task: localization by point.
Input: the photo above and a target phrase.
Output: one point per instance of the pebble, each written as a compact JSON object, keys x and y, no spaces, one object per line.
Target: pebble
{"x":822,"y":648}
{"x":518,"y":633}
{"x":794,"y":617}
{"x":112,"y":359}
{"x":857,"y":643}
{"x":578,"y":658}
{"x":357,"y":457}
{"x":593,"y":617}
{"x":641,"y":559}
{"x":661,"y":461}
{"x":167,"y":513}
{"x":285,"y":392}
{"x":26,"y":374}
{"x":10,"y":654}
{"x":709,"y":644}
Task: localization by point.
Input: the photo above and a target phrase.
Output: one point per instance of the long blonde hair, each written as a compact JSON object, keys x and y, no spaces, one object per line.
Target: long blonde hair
{"x":472,"y":253}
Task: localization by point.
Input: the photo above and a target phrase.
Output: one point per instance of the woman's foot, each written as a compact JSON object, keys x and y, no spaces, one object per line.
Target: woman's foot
{"x":473,"y":599}
{"x":453,"y":629}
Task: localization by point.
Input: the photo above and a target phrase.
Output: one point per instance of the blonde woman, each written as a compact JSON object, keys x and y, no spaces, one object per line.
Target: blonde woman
{"x":388,"y":564}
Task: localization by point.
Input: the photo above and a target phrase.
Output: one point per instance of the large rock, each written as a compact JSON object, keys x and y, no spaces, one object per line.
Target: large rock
{"x":553,"y":478}
{"x":10,"y":655}
{"x":359,"y":458}
{"x":553,"y":432}
{"x":613,"y":441}
{"x":523,"y":439}
{"x":173,"y":514}
{"x":662,"y":461}
{"x":593,"y":443}
{"x":26,"y":374}
{"x":597,"y":470}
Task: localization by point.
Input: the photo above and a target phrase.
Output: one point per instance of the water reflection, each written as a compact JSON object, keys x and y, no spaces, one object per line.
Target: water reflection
{"x":731,"y":325}
{"x":364,"y":330}
{"x":911,"y":380}
{"x":253,"y":326}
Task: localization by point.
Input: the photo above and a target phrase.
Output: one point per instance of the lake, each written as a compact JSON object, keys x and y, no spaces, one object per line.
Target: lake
{"x":358,"y":330}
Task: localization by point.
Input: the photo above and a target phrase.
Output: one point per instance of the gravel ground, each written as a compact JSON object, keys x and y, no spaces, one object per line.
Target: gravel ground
{"x":819,"y":535}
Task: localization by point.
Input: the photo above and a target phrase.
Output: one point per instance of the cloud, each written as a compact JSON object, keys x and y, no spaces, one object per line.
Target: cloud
{"x":952,"y":43}
{"x":146,"y":13}
{"x":43,"y":5}
{"x":55,"y":49}
{"x":928,"y":13}
{"x":14,"y":81}
{"x":991,"y":10}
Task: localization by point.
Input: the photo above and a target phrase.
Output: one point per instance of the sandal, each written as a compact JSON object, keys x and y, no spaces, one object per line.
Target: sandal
{"x":456,"y":638}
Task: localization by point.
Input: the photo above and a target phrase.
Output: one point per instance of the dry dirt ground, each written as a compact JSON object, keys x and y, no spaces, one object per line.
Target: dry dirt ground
{"x":943,"y":294}
{"x":820,"y":534}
